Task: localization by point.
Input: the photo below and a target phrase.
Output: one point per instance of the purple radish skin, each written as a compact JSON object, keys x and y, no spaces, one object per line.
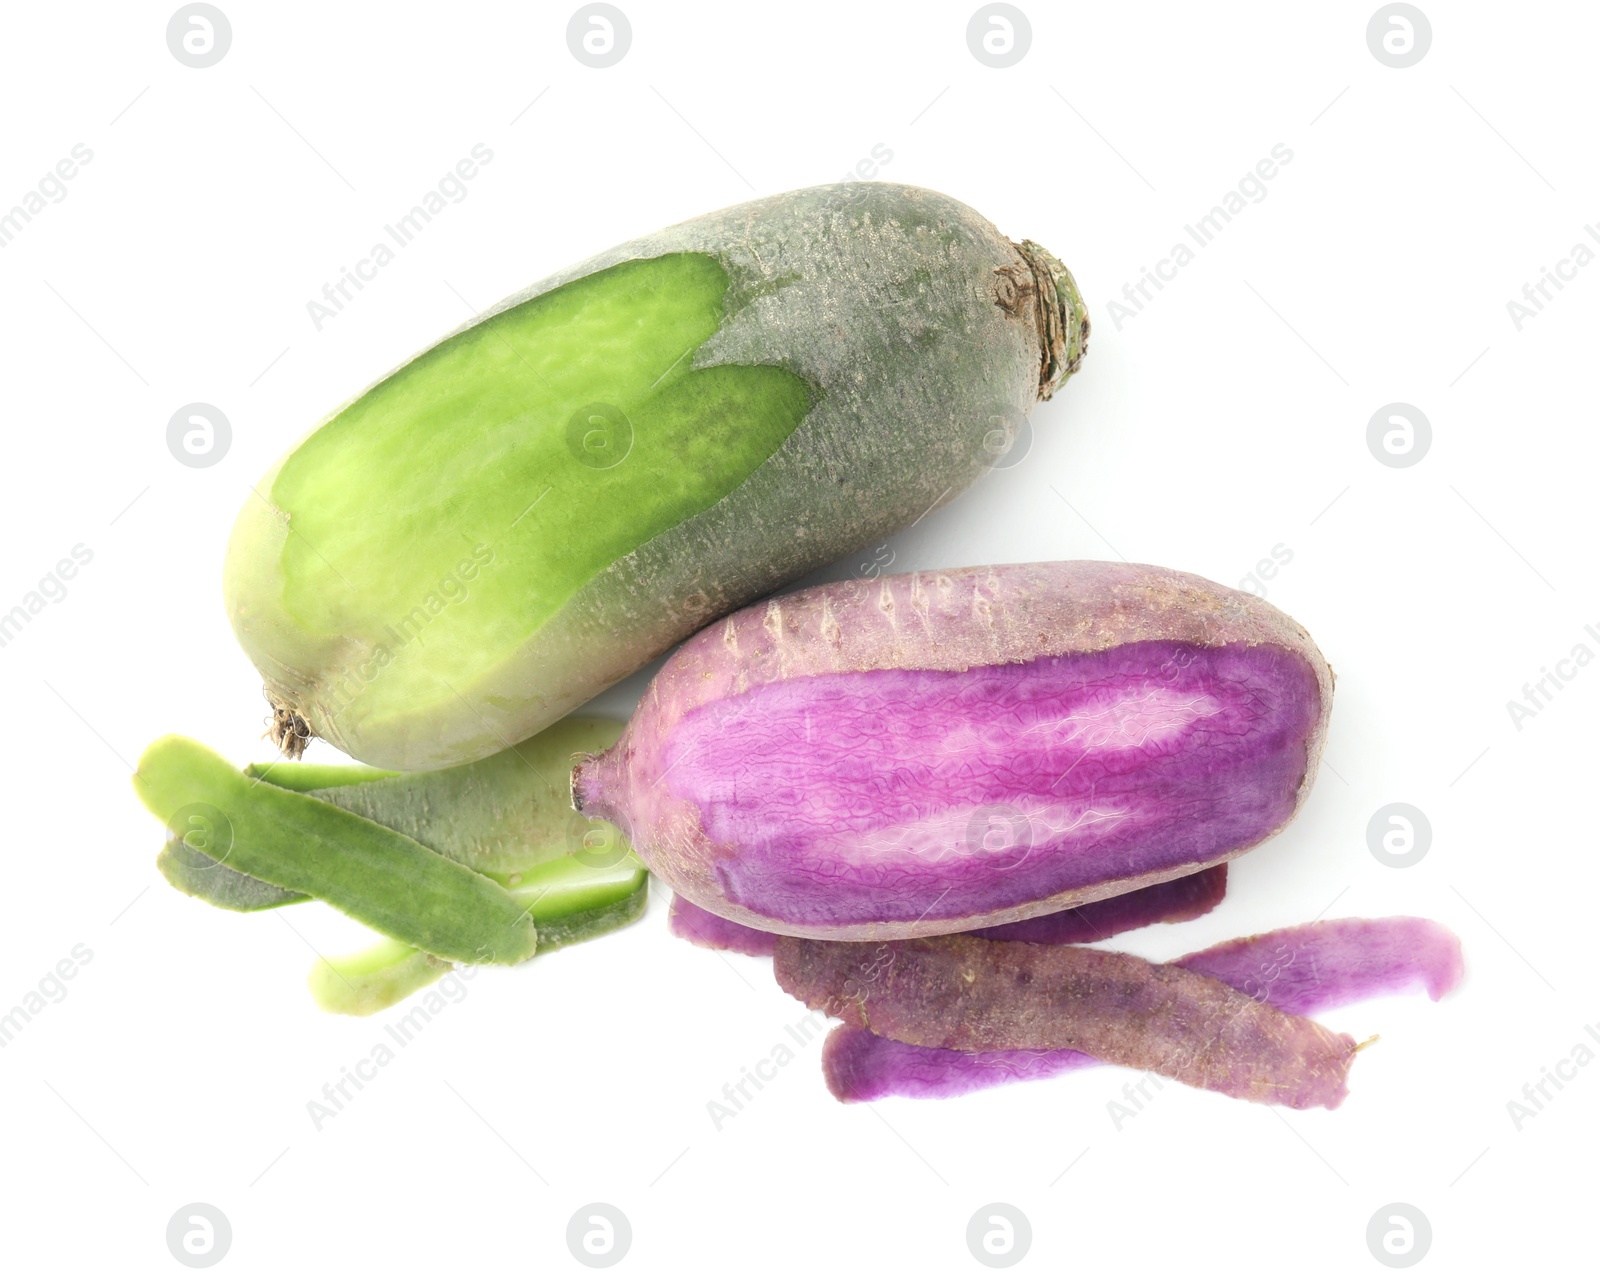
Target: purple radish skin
{"x":963,"y":993}
{"x":1176,"y":901}
{"x":1314,"y":967}
{"x":713,"y":932}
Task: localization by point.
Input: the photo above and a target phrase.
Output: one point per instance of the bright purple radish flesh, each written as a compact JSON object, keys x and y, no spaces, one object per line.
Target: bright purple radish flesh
{"x":1304,"y":969}
{"x":938,"y":752}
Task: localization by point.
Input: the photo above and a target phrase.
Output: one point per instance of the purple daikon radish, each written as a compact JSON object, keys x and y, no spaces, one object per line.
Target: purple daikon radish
{"x":1175,"y":901}
{"x":1303,"y":969}
{"x":958,"y":749}
{"x":964,"y":993}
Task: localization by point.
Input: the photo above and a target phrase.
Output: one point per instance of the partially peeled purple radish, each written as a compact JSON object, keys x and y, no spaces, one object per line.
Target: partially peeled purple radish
{"x":936,"y":752}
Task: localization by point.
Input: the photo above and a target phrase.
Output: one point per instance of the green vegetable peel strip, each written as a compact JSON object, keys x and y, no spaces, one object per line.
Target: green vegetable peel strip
{"x":499,"y":815}
{"x":376,"y":977}
{"x":492,"y":812}
{"x":374,"y":874}
{"x":296,"y":775}
{"x":194,"y":874}
{"x":381,"y":975}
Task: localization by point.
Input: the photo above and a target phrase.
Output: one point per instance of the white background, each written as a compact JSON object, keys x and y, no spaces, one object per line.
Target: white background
{"x":1230,"y":416}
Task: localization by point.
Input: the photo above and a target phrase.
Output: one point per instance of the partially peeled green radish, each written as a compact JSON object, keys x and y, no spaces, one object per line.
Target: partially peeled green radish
{"x":600,"y":465}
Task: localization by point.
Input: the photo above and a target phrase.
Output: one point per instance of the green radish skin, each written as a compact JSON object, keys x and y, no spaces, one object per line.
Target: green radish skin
{"x":565,"y":908}
{"x":585,"y":916}
{"x":509,"y":812}
{"x":602,"y":464}
{"x":374,"y":874}
{"x":380,"y":975}
{"x":373,"y":979}
{"x":497,"y":816}
{"x":196,"y":875}
{"x":305,"y":778}
{"x":565,"y":891}
{"x":504,"y":814}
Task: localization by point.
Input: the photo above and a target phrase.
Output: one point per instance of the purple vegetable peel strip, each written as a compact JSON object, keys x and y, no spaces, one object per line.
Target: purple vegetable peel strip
{"x":713,"y":932}
{"x":1316,"y":966}
{"x":1172,"y":902}
{"x":970,"y":994}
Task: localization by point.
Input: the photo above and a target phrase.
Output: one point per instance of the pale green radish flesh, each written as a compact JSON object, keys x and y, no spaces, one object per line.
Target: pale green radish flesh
{"x":494,"y":443}
{"x":379,"y":976}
